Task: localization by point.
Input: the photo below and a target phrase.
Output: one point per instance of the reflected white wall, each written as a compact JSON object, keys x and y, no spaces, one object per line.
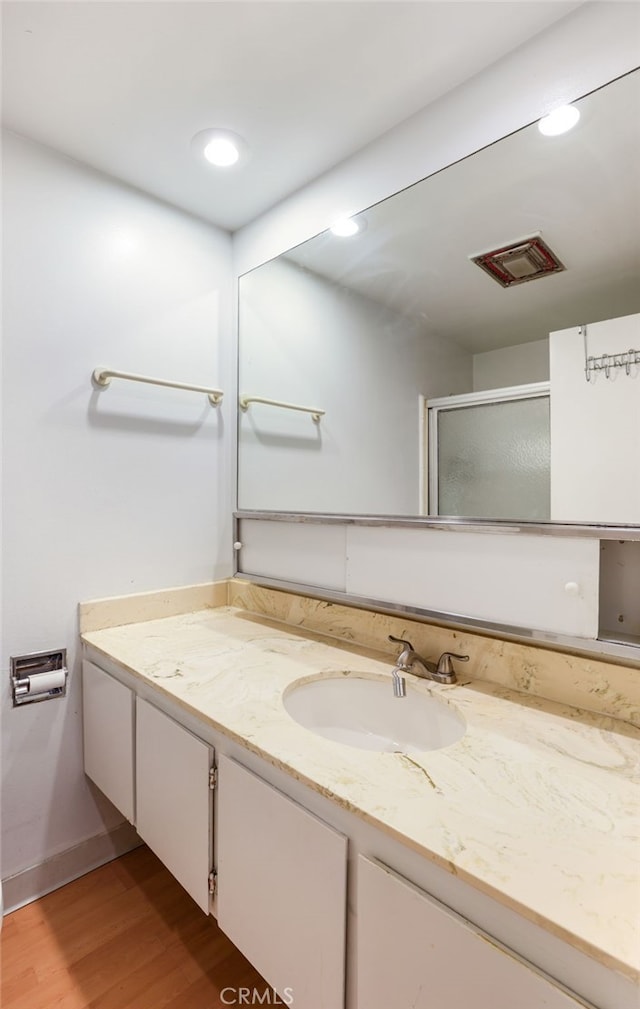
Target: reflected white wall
{"x":497,"y":369}
{"x":306,"y":340}
{"x":595,"y":426}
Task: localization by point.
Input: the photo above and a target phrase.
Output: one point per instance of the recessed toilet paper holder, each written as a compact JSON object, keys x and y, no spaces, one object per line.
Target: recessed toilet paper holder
{"x":39,"y":676}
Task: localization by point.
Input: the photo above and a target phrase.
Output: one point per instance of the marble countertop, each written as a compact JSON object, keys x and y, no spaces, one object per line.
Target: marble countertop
{"x":537,"y":805}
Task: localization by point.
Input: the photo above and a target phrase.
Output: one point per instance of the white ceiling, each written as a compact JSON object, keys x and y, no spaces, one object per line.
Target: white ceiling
{"x":124,"y":87}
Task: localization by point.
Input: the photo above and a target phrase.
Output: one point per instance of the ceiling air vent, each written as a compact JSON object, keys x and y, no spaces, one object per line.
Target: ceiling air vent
{"x":527,"y":259}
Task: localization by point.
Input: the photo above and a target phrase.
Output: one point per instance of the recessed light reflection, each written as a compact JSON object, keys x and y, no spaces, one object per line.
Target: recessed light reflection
{"x":345,"y":227}
{"x":221,"y":152}
{"x":559,"y":121}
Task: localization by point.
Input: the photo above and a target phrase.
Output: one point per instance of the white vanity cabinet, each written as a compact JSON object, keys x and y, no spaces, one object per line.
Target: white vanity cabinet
{"x":108,"y":713}
{"x":281,"y":853}
{"x":174,"y":799}
{"x":156,"y":772}
{"x":416,"y":953}
{"x":281,"y":893}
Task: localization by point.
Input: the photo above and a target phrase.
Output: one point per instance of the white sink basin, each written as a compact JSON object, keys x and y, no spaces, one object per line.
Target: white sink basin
{"x":363,"y":712}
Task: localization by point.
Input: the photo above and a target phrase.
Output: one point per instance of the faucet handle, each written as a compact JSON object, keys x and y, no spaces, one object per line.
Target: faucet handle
{"x":445,"y":664}
{"x":402,"y":641}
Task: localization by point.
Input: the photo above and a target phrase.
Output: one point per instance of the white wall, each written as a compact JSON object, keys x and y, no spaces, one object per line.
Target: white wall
{"x":595,"y":426}
{"x":521,"y":365}
{"x":309,"y":341}
{"x":110,"y":492}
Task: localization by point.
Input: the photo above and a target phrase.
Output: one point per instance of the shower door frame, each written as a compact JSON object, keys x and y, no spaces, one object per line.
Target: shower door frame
{"x":432,"y":407}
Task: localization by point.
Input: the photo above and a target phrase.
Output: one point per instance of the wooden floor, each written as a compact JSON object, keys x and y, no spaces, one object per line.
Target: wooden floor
{"x":123,"y":937}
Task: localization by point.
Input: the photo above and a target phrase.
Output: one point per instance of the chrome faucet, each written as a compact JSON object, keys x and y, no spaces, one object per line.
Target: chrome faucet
{"x":409,"y":661}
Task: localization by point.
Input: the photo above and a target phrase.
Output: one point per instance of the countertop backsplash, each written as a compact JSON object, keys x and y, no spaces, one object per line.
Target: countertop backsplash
{"x":586,"y":683}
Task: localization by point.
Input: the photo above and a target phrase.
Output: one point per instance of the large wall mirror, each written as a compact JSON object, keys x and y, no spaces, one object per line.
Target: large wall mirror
{"x":435,"y":389}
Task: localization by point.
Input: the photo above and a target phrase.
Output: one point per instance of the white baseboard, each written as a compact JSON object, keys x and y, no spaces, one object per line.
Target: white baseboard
{"x":37,"y":880}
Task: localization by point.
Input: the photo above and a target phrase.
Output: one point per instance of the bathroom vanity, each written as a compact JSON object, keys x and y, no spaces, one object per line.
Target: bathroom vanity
{"x":502,"y":866}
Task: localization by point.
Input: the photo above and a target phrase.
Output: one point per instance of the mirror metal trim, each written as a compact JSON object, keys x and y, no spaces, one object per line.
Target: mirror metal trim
{"x":444,"y":524}
{"x":603,"y":650}
{"x":598,"y":648}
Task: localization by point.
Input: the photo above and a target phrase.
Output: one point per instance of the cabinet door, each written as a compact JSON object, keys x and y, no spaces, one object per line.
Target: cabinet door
{"x":281,"y":889}
{"x":174,"y":799}
{"x":107,"y":719}
{"x":415,"y":953}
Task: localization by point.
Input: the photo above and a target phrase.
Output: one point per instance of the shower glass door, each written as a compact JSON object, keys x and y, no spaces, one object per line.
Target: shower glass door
{"x":488,"y":454}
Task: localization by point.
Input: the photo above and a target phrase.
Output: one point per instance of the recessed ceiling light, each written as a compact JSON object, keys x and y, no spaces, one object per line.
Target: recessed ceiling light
{"x":559,"y":121}
{"x":346,"y":227}
{"x":220,"y":148}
